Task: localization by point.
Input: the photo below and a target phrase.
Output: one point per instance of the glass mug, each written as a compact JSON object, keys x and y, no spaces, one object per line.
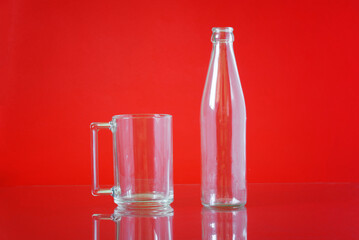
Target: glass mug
{"x":142,"y":160}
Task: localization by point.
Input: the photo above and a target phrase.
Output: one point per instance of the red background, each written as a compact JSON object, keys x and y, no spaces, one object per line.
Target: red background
{"x":64,"y":64}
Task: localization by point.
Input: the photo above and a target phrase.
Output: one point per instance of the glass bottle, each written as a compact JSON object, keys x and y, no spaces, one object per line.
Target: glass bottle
{"x":223,"y":127}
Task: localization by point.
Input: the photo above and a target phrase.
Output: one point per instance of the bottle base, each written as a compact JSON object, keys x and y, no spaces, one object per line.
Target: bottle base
{"x":224,"y":203}
{"x":224,"y":206}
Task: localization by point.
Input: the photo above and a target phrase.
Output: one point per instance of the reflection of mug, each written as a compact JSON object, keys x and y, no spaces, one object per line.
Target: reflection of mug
{"x":224,"y":224}
{"x":142,"y":150}
{"x":146,"y":226}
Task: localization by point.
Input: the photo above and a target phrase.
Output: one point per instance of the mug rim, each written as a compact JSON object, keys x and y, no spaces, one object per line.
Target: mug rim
{"x":142,"y":115}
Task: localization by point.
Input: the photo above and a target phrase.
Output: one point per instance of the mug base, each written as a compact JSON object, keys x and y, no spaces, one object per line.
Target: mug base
{"x":150,"y":202}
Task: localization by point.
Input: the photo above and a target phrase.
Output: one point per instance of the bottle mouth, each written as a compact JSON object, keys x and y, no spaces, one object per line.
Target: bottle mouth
{"x":222,"y":35}
{"x":222,"y":29}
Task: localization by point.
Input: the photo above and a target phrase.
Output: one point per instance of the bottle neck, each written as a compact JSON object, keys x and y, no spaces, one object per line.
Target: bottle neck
{"x":222,"y":59}
{"x":223,"y":50}
{"x":222,"y":46}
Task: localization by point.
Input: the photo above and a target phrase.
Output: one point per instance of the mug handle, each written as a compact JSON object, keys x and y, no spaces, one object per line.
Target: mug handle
{"x":96,"y":189}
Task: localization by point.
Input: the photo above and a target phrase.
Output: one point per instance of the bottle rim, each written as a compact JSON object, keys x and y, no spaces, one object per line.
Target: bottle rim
{"x":222,"y":29}
{"x":222,"y":35}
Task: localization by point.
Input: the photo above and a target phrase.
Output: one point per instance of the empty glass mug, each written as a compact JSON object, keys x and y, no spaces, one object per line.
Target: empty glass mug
{"x":142,"y":160}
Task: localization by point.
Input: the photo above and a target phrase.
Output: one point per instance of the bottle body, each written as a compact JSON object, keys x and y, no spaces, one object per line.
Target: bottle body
{"x":223,"y":128}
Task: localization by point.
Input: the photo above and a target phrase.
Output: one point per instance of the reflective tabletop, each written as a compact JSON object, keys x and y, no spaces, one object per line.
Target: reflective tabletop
{"x":273,"y":211}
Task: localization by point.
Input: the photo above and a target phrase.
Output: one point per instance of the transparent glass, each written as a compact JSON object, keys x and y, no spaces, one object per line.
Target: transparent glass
{"x":137,"y":225}
{"x":224,"y":224}
{"x":142,"y":150}
{"x":223,"y":127}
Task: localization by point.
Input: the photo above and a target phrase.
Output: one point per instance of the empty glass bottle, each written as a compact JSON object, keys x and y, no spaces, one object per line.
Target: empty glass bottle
{"x":223,"y":127}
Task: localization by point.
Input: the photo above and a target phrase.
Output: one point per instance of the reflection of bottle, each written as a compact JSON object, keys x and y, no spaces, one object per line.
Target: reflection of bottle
{"x":140,"y":225}
{"x":224,"y":224}
{"x":223,"y":127}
